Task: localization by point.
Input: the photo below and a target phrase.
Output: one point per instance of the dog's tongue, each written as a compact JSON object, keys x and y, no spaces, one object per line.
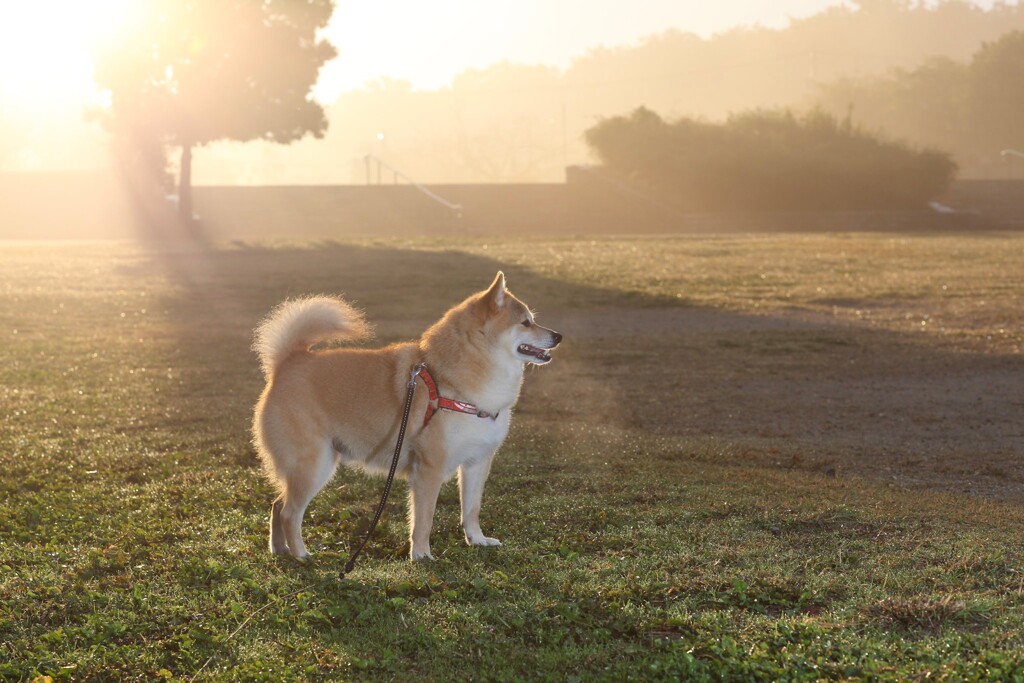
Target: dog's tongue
{"x":539,"y":354}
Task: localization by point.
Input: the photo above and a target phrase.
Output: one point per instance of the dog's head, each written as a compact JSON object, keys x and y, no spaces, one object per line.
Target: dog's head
{"x":510,"y":324}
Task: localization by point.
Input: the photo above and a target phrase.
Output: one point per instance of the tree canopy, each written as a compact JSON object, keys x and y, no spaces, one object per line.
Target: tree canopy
{"x":997,"y":92}
{"x":188,"y":72}
{"x":973,"y":108}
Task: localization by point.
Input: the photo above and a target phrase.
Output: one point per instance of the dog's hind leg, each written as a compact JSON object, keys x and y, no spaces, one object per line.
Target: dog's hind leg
{"x":300,"y":488}
{"x":278,"y":545}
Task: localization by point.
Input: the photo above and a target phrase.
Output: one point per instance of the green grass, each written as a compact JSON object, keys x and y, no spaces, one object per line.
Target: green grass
{"x":133,"y":512}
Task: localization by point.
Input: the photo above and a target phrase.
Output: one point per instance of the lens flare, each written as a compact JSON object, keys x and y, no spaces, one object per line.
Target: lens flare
{"x":46,"y":51}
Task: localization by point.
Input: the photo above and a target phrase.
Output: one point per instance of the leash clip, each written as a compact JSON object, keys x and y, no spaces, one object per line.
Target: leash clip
{"x":414,"y":373}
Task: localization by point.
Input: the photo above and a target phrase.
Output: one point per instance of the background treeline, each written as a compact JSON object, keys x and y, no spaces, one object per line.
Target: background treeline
{"x":519,"y":123}
{"x":973,"y":108}
{"x":525,"y":123}
{"x":766,"y":160}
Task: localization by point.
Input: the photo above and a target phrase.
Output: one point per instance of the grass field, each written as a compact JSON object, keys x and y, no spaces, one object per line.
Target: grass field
{"x":754,"y":458}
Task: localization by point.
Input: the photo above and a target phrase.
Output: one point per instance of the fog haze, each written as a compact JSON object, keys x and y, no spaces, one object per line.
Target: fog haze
{"x":523,"y":120}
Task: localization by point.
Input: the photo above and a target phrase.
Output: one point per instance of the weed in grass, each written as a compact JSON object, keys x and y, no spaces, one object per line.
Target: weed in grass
{"x":931,"y":613}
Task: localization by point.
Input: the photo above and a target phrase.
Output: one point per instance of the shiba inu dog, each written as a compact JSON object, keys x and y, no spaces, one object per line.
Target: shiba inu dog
{"x":322,"y":408}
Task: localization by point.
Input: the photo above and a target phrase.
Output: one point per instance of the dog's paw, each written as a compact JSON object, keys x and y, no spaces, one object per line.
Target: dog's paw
{"x":482,"y":540}
{"x":421,"y":556}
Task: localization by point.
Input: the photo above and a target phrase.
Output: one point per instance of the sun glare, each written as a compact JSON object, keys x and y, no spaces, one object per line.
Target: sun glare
{"x":46,"y":51}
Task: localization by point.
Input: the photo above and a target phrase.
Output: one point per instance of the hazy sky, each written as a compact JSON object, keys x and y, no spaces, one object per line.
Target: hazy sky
{"x":428,"y":43}
{"x":45,"y":46}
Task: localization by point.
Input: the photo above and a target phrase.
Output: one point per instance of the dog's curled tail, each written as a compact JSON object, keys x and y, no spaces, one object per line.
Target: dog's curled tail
{"x":298,"y":324}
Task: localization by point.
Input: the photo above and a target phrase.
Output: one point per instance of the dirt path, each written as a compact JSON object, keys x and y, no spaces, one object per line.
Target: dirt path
{"x":802,"y":390}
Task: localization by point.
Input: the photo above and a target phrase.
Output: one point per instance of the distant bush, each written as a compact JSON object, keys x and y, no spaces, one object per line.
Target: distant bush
{"x":769,"y":160}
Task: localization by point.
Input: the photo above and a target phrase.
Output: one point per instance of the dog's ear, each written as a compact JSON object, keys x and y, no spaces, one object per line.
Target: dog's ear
{"x":496,"y":293}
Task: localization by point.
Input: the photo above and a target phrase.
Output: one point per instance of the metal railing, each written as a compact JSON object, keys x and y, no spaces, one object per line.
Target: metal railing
{"x":371,"y":159}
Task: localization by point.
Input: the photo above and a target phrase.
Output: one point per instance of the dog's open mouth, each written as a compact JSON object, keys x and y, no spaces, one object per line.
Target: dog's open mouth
{"x":540,"y":355}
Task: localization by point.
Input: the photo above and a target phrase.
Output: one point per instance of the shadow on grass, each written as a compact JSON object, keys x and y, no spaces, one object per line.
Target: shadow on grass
{"x":783,"y":391}
{"x":603,"y":474}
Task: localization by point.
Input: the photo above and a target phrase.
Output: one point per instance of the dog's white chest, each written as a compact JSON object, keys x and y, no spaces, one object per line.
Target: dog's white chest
{"x":470,"y":439}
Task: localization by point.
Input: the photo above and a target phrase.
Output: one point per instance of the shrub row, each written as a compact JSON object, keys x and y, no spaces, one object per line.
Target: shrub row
{"x":768,"y":160}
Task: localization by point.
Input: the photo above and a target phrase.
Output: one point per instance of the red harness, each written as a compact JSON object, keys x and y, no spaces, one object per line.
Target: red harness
{"x":438,"y":402}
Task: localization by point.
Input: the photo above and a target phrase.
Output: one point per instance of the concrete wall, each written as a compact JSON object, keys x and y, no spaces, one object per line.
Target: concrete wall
{"x":541,"y":209}
{"x":998,"y":201}
{"x":64,"y":206}
{"x":91,"y":206}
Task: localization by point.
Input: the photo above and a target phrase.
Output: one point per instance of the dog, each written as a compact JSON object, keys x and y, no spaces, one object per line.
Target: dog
{"x":343,"y":406}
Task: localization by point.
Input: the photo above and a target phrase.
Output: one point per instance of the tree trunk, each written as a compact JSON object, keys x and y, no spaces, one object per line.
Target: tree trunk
{"x":185,"y":184}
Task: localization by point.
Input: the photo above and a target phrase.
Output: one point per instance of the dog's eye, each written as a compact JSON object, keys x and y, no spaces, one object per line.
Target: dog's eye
{"x":527,"y":323}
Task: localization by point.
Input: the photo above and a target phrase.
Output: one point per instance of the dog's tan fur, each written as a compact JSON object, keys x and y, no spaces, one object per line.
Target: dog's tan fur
{"x":343,"y":406}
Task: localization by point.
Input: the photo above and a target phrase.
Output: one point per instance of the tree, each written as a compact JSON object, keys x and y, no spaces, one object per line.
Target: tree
{"x":973,"y":109}
{"x":997,"y":92}
{"x":188,"y":72}
{"x":927,"y":105}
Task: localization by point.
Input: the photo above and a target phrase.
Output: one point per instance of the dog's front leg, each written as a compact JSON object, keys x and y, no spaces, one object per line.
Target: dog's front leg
{"x":471,"y":490}
{"x":424,"y":487}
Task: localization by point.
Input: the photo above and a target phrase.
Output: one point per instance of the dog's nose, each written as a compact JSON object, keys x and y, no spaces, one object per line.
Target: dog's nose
{"x":557,"y":337}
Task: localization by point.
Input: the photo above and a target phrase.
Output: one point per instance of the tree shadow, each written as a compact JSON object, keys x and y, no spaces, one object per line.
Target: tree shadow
{"x":778,"y":390}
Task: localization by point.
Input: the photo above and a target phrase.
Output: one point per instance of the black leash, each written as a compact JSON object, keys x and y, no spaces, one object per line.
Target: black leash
{"x":411,"y":386}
